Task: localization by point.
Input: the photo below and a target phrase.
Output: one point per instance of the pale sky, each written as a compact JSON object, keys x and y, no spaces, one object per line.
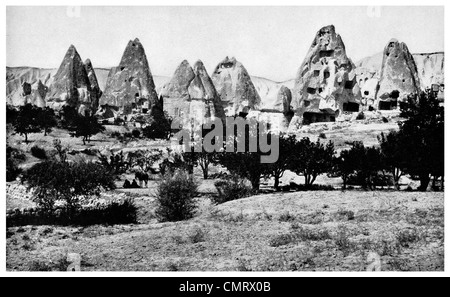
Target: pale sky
{"x":270,"y":41}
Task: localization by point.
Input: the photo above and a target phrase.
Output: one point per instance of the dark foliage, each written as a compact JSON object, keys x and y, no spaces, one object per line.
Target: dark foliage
{"x":230,"y":189}
{"x":175,"y":197}
{"x":72,"y":183}
{"x":86,"y":126}
{"x":311,"y":159}
{"x":13,"y":158}
{"x":123,"y":212}
{"x":38,"y":152}
{"x":26,"y":120}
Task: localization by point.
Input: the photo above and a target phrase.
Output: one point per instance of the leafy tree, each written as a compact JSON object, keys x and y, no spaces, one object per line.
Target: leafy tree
{"x":423,"y":136}
{"x":26,"y":121}
{"x":287,"y":145}
{"x":312,"y":159}
{"x":144,"y":159}
{"x":344,"y":166}
{"x":245,"y":164}
{"x":394,"y":154}
{"x":46,"y":119}
{"x":158,"y":125}
{"x":86,"y":126}
{"x":361,"y":165}
{"x":72,"y":183}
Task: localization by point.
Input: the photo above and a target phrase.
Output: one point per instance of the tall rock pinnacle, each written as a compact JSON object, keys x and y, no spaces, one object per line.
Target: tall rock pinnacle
{"x":325,"y":84}
{"x":130,"y":85}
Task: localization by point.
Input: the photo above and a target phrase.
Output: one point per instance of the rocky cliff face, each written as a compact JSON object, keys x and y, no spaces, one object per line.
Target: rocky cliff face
{"x":325,"y":85}
{"x":430,"y":68}
{"x":70,"y":85}
{"x":130,"y":85}
{"x":235,"y":87}
{"x":19,"y":80}
{"x":96,"y":92}
{"x":398,"y":77}
{"x":190,"y":95}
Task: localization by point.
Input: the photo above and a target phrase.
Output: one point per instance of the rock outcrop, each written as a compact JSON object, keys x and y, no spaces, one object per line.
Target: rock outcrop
{"x":96,"y":92}
{"x":398,"y":77}
{"x":235,"y":88}
{"x":71,"y":84}
{"x":27,"y":85}
{"x":325,"y":85}
{"x":190,"y":96}
{"x":130,"y":85}
{"x":430,"y":68}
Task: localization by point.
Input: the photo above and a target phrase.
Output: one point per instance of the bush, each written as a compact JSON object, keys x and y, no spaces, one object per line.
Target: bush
{"x":136,"y":133}
{"x":72,"y":183}
{"x":231,"y":189}
{"x":110,"y":213}
{"x":175,"y":197}
{"x":13,"y":158}
{"x":38,"y":152}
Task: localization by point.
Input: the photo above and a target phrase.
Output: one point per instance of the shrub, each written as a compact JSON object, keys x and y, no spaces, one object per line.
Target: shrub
{"x":110,"y":213}
{"x":136,"y":133}
{"x":231,"y":189}
{"x":322,"y":135}
{"x":13,"y":158}
{"x":38,"y":152}
{"x":71,"y":182}
{"x":175,"y":197}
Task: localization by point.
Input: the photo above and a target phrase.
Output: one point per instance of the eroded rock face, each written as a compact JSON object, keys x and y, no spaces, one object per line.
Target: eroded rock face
{"x":235,"y":88}
{"x":325,"y":85}
{"x":96,"y":93}
{"x":205,"y":103}
{"x":398,"y":76}
{"x":130,"y":85}
{"x":70,"y":84}
{"x":430,"y":68}
{"x":190,"y":96}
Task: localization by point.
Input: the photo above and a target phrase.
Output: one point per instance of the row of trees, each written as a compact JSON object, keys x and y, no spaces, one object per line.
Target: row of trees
{"x":416,"y":149}
{"x":32,"y":119}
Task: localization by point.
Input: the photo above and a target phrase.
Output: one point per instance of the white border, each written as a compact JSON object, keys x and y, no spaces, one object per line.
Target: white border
{"x":208,"y":3}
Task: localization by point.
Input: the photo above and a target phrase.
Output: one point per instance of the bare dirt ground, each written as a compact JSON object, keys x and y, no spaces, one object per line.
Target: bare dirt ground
{"x":293,"y":231}
{"x":304,"y":231}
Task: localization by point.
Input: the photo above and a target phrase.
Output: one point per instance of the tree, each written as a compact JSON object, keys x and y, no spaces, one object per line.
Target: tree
{"x":344,"y":166}
{"x":312,"y":159}
{"x":26,"y":121}
{"x":361,"y":165}
{"x":144,"y":159}
{"x":394,"y":154}
{"x":287,"y":144}
{"x":46,"y":119}
{"x":11,"y":114}
{"x":72,"y":183}
{"x":158,"y":125}
{"x":86,"y":126}
{"x":423,"y":136}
